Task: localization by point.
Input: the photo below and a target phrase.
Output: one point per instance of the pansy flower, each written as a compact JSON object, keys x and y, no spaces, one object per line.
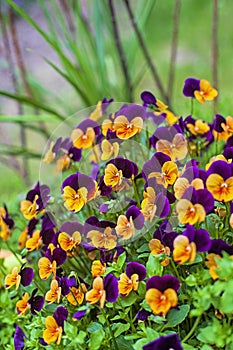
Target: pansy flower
{"x":161,"y":168}
{"x":170,"y":141}
{"x":154,"y":204}
{"x":117,"y":173}
{"x":190,"y":242}
{"x":103,"y":238}
{"x":19,"y":338}
{"x":35,"y":242}
{"x":54,"y":326}
{"x":129,"y":121}
{"x":222,"y":127}
{"x":197,"y":127}
{"x":6,"y":223}
{"x":157,"y":248}
{"x":194,"y":205}
{"x":54,"y":294}
{"x":220,"y":181}
{"x":191,"y":176}
{"x":218,"y":246}
{"x":35,"y":201}
{"x":64,"y":152}
{"x":129,"y":280}
{"x":161,"y":293}
{"x":46,"y":268}
{"x":97,"y":268}
{"x":102,"y":290}
{"x":200,"y":89}
{"x":35,"y":303}
{"x":110,"y":146}
{"x":27,"y":233}
{"x":24,"y":276}
{"x":70,"y":235}
{"x":77,"y":190}
{"x":168,"y":342}
{"x":76,"y":294}
{"x":130,"y":222}
{"x":84,"y":135}
{"x":100,"y":109}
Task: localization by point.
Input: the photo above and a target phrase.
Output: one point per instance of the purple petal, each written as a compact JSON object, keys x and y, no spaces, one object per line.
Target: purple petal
{"x":19,"y":338}
{"x":132,"y":111}
{"x":143,"y":315}
{"x":36,"y":303}
{"x":191,"y":85}
{"x":128,"y":168}
{"x":111,"y":288}
{"x":137,"y":216}
{"x":202,"y":240}
{"x":222,"y":168}
{"x":219,"y":119}
{"x":163,"y":283}
{"x":71,"y":227}
{"x":218,"y":246}
{"x":155,"y":163}
{"x":79,"y":314}
{"x":135,"y":267}
{"x":205,"y":198}
{"x":88,"y":123}
{"x":148,"y":98}
{"x":75,"y":154}
{"x":60,"y":315}
{"x":27,"y":275}
{"x":163,"y":206}
{"x":59,"y":255}
{"x":79,"y":180}
{"x":167,"y":342}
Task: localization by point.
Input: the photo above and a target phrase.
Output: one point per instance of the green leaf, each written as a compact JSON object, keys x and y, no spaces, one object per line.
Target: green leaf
{"x":129,"y":300}
{"x":96,"y":339}
{"x":94,"y":326}
{"x":120,"y":261}
{"x":80,"y":338}
{"x":120,"y":328}
{"x":191,"y":281}
{"x":153,"y":266}
{"x":124,"y":345}
{"x":189,"y":347}
{"x":32,"y":102}
{"x":175,"y":317}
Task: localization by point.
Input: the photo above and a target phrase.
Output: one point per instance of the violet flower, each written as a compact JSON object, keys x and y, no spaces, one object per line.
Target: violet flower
{"x":168,"y":342}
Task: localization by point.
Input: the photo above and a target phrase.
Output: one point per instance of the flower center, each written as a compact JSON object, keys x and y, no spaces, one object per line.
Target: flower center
{"x":84,"y":137}
{"x":77,"y":196}
{"x":224,"y":185}
{"x":192,"y":210}
{"x":188,"y":248}
{"x":162,"y":297}
{"x":129,"y":126}
{"x":130,"y":282}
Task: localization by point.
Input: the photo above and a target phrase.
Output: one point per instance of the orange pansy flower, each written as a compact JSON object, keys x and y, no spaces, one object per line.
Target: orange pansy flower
{"x":97,"y":293}
{"x":46,"y":268}
{"x":83,"y":139}
{"x":183,"y":250}
{"x":74,"y":200}
{"x":102,"y":240}
{"x":189,"y":213}
{"x":97,"y":268}
{"x":125,"y":128}
{"x":68,"y":242}
{"x":34,"y":242}
{"x":127,"y":284}
{"x":23,"y":305}
{"x":168,"y":174}
{"x":206,"y":92}
{"x":176,"y":150}
{"x":13,"y":279}
{"x":53,"y":331}
{"x":76,"y":294}
{"x":125,"y":228}
{"x":112,"y":176}
{"x":54,"y":294}
{"x":161,"y":302}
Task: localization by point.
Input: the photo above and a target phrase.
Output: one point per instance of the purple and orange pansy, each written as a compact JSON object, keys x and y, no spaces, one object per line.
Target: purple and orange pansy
{"x":161,"y":293}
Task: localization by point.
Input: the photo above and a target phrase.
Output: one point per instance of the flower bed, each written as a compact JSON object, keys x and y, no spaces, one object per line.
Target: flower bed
{"x":130,"y":245}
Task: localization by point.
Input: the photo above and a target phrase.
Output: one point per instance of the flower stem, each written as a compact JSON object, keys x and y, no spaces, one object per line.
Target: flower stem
{"x":110,"y":330}
{"x":192,"y":330}
{"x":175,"y":269}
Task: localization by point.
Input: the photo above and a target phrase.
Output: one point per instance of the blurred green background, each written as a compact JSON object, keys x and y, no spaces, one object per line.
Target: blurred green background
{"x":68,"y":49}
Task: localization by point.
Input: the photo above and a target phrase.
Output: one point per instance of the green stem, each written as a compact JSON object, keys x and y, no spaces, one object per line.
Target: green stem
{"x":175,"y":269}
{"x":192,"y":330}
{"x":110,"y":330}
{"x":13,"y":252}
{"x":136,"y":193}
{"x":191,"y":111}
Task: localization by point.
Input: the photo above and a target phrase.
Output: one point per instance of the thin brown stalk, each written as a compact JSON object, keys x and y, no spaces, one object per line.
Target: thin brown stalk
{"x":215,"y":50}
{"x":145,"y":51}
{"x":22,"y":70}
{"x":121,"y":51}
{"x":12,"y":162}
{"x":174,"y":46}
